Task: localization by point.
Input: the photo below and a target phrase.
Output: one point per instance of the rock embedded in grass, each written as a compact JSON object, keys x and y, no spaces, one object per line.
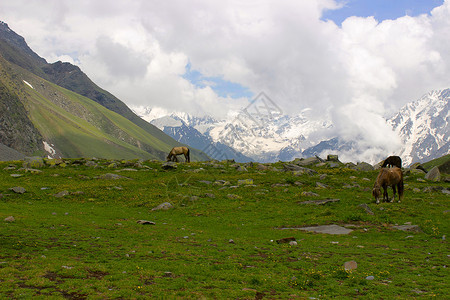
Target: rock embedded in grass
{"x":163,"y":206}
{"x":350,"y":265}
{"x":18,"y":190}
{"x":10,"y":219}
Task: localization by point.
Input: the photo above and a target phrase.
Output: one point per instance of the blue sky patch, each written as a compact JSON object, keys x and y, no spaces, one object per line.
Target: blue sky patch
{"x":380,"y":9}
{"x":222,"y":87}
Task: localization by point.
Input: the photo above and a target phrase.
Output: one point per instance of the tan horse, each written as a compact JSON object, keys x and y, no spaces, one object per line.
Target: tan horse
{"x":178,"y":151}
{"x":388,"y":177}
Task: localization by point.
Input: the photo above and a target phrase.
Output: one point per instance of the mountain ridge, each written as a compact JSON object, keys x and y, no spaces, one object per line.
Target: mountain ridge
{"x":63,"y":89}
{"x":294,"y":133}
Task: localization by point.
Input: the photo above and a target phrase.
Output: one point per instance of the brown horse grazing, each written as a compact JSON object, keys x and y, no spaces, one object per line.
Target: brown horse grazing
{"x":388,"y":177}
{"x":392,"y":161}
{"x":178,"y":151}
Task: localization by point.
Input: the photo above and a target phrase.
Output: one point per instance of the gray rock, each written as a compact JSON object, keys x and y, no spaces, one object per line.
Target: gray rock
{"x":18,"y":190}
{"x":111,"y":176}
{"x":286,"y":240}
{"x":163,"y":206}
{"x":370,"y":277}
{"x":320,"y":202}
{"x":307,"y":161}
{"x":61,"y":194}
{"x":412,"y":228}
{"x":366,"y":208}
{"x":322,"y":185}
{"x":350,"y":265}
{"x":245,"y":181}
{"x":433,"y":175}
{"x":145,"y":222}
{"x":241,"y":169}
{"x":33,"y":162}
{"x":328,"y":229}
{"x":91,"y":163}
{"x":310,"y":194}
{"x":363,"y":166}
{"x":170,"y":165}
{"x":332,"y":157}
{"x":9,"y":219}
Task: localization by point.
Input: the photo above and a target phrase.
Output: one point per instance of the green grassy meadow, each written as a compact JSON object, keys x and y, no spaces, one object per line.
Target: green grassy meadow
{"x":219,"y":241}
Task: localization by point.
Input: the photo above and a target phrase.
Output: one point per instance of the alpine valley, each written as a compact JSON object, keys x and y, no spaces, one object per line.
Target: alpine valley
{"x":55,"y":110}
{"x":422,"y":127}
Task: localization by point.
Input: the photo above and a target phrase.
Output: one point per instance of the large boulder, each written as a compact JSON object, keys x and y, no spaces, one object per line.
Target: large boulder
{"x":33,"y":162}
{"x":433,"y":174}
{"x":363,"y":166}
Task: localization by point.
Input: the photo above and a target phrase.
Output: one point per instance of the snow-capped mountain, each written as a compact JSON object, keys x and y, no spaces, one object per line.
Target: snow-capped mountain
{"x":263,"y":133}
{"x":423,"y":127}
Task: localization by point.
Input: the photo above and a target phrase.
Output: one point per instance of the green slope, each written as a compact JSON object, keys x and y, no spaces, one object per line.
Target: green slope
{"x":75,"y":125}
{"x":14,"y":49}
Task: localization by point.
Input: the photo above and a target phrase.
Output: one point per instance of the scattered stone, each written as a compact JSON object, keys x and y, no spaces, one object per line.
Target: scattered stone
{"x":350,"y":265}
{"x":16,"y":175}
{"x":307,"y":161}
{"x":332,"y":157}
{"x":418,"y":166}
{"x":9,"y":219}
{"x":310,"y":194}
{"x":261,"y":167}
{"x":286,"y":240}
{"x":163,"y":206}
{"x":170,"y":165}
{"x":241,"y":169}
{"x":231,"y":241}
{"x":370,"y":277}
{"x":18,"y":190}
{"x":433,"y":175}
{"x":127,"y":170}
{"x":293,"y":243}
{"x":328,"y":229}
{"x":366,"y":208}
{"x":168,"y":274}
{"x":32,"y":171}
{"x":245,"y":182}
{"x":363,"y":166}
{"x":91,"y":163}
{"x":233,"y":196}
{"x":209,"y":195}
{"x":145,"y":222}
{"x":205,"y":181}
{"x":33,"y":162}
{"x":112,"y":176}
{"x":222,"y":182}
{"x":61,"y":194}
{"x":298,"y":170}
{"x":320,"y":202}
{"x":411,"y":228}
{"x":322,"y":185}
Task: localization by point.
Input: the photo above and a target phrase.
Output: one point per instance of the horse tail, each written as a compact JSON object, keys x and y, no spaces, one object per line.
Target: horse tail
{"x":401,"y":189}
{"x":188,"y":155}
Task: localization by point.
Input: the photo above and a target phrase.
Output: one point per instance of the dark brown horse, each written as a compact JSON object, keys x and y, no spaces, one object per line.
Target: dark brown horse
{"x":178,"y":151}
{"x":388,"y":177}
{"x":392,"y":161}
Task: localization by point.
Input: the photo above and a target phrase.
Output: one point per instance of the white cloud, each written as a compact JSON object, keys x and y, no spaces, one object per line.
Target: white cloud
{"x":138,"y":50}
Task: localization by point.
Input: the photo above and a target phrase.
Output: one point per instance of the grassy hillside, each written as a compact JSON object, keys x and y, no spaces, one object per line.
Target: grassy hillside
{"x":437,"y":162}
{"x":75,"y":233}
{"x":76,"y":125}
{"x":18,"y":61}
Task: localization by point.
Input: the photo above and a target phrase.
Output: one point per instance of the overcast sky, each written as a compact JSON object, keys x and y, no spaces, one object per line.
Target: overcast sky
{"x":359,"y":60}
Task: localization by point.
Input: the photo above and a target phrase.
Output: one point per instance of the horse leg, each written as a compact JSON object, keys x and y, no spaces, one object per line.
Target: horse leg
{"x":400,"y":191}
{"x":393,"y":196}
{"x":385,"y":194}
